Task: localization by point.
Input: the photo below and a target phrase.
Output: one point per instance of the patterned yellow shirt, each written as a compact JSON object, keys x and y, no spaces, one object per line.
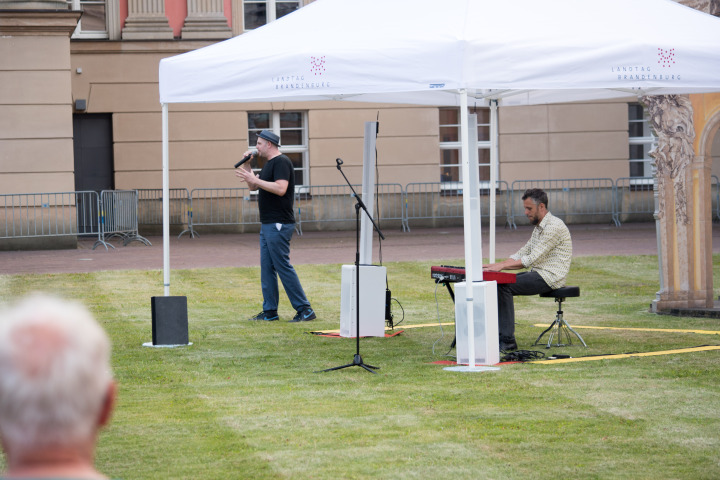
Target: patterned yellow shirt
{"x":549,"y":251}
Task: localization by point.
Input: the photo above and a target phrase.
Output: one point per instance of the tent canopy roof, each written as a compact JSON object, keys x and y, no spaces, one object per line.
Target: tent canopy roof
{"x":425,"y":51}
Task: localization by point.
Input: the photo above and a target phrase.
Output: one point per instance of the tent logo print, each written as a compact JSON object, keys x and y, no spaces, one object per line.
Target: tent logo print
{"x":666,"y":58}
{"x":317,"y":65}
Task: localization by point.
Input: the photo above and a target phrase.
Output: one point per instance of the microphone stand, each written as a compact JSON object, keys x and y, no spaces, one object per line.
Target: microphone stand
{"x":357,"y":359}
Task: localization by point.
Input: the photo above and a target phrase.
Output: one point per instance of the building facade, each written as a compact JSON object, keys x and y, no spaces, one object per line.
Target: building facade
{"x":79,"y":110}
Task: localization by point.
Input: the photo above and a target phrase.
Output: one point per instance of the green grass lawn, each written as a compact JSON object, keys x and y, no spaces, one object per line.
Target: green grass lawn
{"x":244,"y":401}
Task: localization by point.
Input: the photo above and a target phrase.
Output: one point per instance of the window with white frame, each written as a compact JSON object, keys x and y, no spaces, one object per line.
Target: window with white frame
{"x":257,"y":13}
{"x":292,"y":129}
{"x":450,"y":145}
{"x":641,"y":141}
{"x":93,"y":22}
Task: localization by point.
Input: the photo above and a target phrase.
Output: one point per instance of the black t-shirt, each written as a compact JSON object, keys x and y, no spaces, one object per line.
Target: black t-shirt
{"x":274,"y":208}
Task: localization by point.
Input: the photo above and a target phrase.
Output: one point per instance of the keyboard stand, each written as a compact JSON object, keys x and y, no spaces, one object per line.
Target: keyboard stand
{"x":452,"y":295}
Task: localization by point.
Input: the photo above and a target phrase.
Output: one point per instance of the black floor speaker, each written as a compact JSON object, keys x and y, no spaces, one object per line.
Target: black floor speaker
{"x":169,"y":321}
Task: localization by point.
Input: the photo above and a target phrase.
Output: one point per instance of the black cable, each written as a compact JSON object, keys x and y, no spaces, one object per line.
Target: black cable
{"x":403,"y":311}
{"x":522,"y":356}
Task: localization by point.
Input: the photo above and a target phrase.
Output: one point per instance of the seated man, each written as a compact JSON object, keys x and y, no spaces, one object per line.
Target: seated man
{"x":56,"y":388}
{"x":547,"y":254}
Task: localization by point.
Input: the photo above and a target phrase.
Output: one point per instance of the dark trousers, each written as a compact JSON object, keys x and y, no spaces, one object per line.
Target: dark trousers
{"x":526,"y":283}
{"x":274,"y":263}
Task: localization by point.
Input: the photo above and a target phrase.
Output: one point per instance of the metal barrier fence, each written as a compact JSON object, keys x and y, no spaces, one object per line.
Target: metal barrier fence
{"x":150,"y":208}
{"x":223,"y":206}
{"x":574,"y":200}
{"x":120,"y":212}
{"x":432,"y":201}
{"x":569,"y":199}
{"x":27,"y":215}
{"x":119,"y":217}
{"x":313,"y":205}
{"x":335,"y":204}
{"x":634,"y":199}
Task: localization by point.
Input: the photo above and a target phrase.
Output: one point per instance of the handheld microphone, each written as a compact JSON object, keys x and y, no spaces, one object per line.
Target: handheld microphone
{"x":244,"y":159}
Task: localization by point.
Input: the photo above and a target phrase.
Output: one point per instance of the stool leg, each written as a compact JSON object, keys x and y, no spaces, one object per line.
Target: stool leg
{"x":551,"y":327}
{"x":564,"y":324}
{"x":559,"y":327}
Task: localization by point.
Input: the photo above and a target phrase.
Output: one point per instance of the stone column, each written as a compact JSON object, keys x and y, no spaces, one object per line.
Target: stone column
{"x":147,"y":21}
{"x":205,"y":21}
{"x":683,"y":183}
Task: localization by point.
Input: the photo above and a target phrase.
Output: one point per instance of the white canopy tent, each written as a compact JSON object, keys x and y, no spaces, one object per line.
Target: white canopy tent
{"x":425,"y":51}
{"x":449,"y":53}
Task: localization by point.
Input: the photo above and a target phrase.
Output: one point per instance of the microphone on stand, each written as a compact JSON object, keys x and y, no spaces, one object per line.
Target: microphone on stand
{"x":244,"y":159}
{"x":339,"y":162}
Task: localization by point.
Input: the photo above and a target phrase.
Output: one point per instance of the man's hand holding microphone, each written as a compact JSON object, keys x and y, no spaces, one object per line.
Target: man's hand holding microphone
{"x":245,"y":172}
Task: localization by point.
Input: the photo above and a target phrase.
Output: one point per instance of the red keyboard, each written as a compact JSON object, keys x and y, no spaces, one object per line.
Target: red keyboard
{"x":450,"y":274}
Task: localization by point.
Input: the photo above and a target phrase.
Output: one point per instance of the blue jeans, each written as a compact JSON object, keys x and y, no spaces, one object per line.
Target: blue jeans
{"x":274,"y":262}
{"x":526,"y":283}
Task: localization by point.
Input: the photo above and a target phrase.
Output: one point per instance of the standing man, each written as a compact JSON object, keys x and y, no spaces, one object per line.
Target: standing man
{"x":276,"y":193}
{"x":56,"y":389}
{"x":547,"y":254}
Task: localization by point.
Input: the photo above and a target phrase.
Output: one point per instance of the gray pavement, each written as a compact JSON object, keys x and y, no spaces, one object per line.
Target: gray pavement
{"x":236,"y":250}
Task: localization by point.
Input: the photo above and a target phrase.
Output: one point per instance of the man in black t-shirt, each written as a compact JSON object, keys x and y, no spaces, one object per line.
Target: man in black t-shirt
{"x":276,"y":193}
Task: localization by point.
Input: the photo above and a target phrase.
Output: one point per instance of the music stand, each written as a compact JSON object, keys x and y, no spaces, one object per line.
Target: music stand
{"x":357,"y":359}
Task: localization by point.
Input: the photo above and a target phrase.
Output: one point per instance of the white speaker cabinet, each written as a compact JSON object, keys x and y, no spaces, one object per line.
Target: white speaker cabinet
{"x":485,"y":316}
{"x":372,"y":301}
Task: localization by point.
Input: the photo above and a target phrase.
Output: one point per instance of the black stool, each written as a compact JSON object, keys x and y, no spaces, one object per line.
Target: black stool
{"x":560,"y":327}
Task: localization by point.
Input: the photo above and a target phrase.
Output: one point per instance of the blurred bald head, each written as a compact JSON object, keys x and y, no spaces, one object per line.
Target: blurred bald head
{"x":55,"y":376}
